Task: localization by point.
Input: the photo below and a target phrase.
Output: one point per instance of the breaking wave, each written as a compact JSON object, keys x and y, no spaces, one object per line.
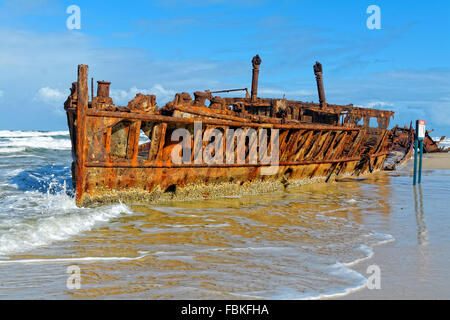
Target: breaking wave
{"x":8,"y":133}
{"x":443,"y":143}
{"x":45,"y":211}
{"x":11,"y":149}
{"x":21,"y":141}
{"x":37,"y":206}
{"x":55,"y":218}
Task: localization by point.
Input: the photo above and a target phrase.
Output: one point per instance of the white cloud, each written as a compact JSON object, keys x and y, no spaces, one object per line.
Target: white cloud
{"x":162,"y":95}
{"x":51,"y":96}
{"x":289,"y":94}
{"x":49,"y":58}
{"x":376,"y":105}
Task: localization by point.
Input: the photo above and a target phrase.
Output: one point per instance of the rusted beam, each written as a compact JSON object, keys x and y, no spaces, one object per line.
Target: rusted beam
{"x":81,"y":147}
{"x":229,"y":90}
{"x":332,"y":169}
{"x":159,"y":164}
{"x":305,"y":146}
{"x":339,"y":137}
{"x":380,"y":143}
{"x":155,"y":143}
{"x":320,"y":143}
{"x":357,"y":143}
{"x":282,"y":138}
{"x":205,"y":112}
{"x":107,"y":135}
{"x":162,"y":140}
{"x":168,"y":119}
{"x":336,"y":152}
{"x":292,"y":146}
{"x":378,"y":154}
{"x":315,"y":145}
{"x":133,"y":140}
{"x":328,"y":143}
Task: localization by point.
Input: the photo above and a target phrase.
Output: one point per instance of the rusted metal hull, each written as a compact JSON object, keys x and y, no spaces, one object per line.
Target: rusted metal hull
{"x":431,"y":146}
{"x":402,"y":147}
{"x":306,"y":153}
{"x":316,"y":142}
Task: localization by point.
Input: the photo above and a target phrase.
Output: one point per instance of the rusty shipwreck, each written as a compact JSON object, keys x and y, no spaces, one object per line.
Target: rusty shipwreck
{"x":316,"y":142}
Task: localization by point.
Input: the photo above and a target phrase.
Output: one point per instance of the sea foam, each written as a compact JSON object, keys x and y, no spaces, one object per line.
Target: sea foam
{"x":59,"y":219}
{"x":9,"y":133}
{"x":41,"y":142}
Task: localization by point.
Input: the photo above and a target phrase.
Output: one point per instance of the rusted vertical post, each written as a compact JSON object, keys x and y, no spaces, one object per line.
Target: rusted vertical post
{"x":82,"y":106}
{"x":319,"y":78}
{"x":256,"y":61}
{"x":92,"y":89}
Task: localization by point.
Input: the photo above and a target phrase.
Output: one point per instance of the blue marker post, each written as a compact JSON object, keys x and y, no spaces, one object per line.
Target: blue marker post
{"x":418,"y":144}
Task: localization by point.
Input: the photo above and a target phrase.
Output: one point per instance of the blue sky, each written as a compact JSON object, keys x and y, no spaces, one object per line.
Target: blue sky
{"x":163,"y":47}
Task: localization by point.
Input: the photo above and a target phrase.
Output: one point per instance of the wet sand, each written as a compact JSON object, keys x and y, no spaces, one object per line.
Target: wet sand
{"x":417,"y":264}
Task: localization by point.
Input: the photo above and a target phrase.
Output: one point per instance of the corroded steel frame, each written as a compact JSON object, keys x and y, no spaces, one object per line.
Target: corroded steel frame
{"x":316,"y":141}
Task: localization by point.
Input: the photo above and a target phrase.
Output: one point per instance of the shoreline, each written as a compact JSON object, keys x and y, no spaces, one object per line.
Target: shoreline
{"x":411,"y":266}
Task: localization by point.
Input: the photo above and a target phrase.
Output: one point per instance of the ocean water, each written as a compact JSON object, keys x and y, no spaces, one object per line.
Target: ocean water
{"x":301,"y":243}
{"x":443,"y":143}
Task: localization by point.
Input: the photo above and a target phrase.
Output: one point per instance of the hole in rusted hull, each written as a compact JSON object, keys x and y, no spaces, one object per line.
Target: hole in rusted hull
{"x":171,"y":189}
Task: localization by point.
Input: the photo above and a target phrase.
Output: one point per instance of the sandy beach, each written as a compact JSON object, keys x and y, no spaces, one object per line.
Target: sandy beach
{"x":436,"y":161}
{"x":416,"y":265}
